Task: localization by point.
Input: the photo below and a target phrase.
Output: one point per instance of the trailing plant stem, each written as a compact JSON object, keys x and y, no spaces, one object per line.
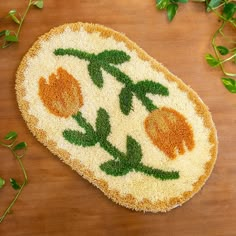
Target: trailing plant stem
{"x":13,"y":202}
{"x":213,"y":43}
{"x":23,"y":17}
{"x":21,"y":21}
{"x":10,"y":147}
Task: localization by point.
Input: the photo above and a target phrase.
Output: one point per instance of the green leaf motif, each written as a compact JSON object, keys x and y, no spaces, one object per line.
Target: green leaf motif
{"x":103,"y":127}
{"x":115,"y":168}
{"x":222,"y":50}
{"x":171,"y":11}
{"x":230,"y":84}
{"x":213,"y":4}
{"x":229,"y":10}
{"x":80,"y":139}
{"x":212,"y":61}
{"x":125,"y":98}
{"x":11,"y":135}
{"x":14,"y":184}
{"x":148,"y":86}
{"x":113,"y":57}
{"x":20,"y":146}
{"x":95,"y":73}
{"x":134,"y":152}
{"x":2,"y":182}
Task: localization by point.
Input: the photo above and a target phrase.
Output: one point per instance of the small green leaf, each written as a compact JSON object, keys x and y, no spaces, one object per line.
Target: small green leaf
{"x":113,"y":56}
{"x":125,"y":98}
{"x":212,"y":61}
{"x":14,"y":184}
{"x":103,"y":126}
{"x":20,"y":146}
{"x":2,"y":182}
{"x":213,"y":4}
{"x":230,"y":84}
{"x":162,"y":4}
{"x":11,"y":135}
{"x":171,"y":11}
{"x":80,"y":139}
{"x":222,"y":50}
{"x":229,"y":10}
{"x":11,"y":38}
{"x":15,"y":19}
{"x":7,"y":32}
{"x":95,"y":73}
{"x":115,"y":168}
{"x":134,"y":152}
{"x":12,"y":12}
{"x":38,"y":4}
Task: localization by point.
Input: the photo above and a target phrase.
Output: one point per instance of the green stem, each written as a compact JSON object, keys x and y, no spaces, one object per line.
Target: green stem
{"x":74,"y":52}
{"x":7,"y":44}
{"x":214,"y":39}
{"x":5,"y":145}
{"x":22,"y":186}
{"x":112,"y":150}
{"x":23,"y":18}
{"x":213,"y":43}
{"x":147,"y":102}
{"x":118,"y":74}
{"x":13,"y":202}
{"x":221,"y":16}
{"x":21,"y":165}
{"x":160,"y":174}
{"x":228,"y":59}
{"x":227,"y":37}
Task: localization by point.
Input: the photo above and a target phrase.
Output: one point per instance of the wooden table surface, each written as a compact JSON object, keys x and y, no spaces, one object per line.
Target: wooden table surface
{"x":57,"y":201}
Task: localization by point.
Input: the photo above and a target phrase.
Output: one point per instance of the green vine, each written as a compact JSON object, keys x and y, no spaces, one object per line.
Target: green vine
{"x":107,"y":60}
{"x":14,"y":149}
{"x":123,"y":163}
{"x":225,"y":10}
{"x":10,"y":37}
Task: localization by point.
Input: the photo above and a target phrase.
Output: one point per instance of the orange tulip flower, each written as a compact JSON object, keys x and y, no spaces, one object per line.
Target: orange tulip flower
{"x":169,"y":131}
{"x":61,"y":94}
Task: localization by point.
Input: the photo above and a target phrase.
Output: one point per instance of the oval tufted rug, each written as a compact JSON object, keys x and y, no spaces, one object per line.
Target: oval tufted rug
{"x":116,"y":116}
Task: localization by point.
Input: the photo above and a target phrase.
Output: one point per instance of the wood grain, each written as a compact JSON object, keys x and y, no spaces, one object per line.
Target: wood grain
{"x":57,"y":201}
